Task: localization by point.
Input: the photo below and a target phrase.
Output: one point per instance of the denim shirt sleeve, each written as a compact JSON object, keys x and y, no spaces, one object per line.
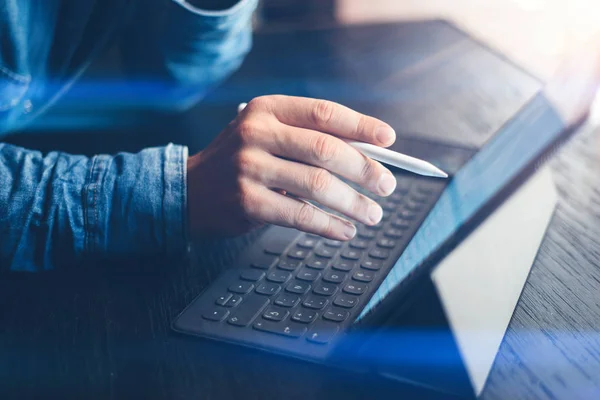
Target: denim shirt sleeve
{"x":183,"y":50}
{"x":59,"y":209}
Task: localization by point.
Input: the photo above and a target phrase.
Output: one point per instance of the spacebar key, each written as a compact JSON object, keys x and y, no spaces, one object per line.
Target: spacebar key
{"x":288,"y":329}
{"x":249,"y":309}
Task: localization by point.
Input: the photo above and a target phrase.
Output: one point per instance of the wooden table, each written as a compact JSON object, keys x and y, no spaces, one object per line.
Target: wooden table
{"x":105,"y":332}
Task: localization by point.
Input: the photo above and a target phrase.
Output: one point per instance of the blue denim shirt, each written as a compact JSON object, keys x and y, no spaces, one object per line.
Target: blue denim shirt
{"x":59,"y":209}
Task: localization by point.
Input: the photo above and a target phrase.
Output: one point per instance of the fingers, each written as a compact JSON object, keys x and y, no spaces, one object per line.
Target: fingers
{"x":293,"y":145}
{"x":274,"y":208}
{"x":330,"y":153}
{"x":328,"y":117}
{"x":321,"y":186}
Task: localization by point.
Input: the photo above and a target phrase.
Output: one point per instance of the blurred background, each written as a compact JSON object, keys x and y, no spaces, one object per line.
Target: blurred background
{"x":535,"y":33}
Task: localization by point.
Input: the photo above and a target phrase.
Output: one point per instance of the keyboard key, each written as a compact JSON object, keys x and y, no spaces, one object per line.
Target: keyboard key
{"x":241,"y":287}
{"x":278,"y":276}
{"x":356,"y":288}
{"x":406,"y":215}
{"x":221,"y":300}
{"x":365,"y":233}
{"x":315,"y":302}
{"x":324,"y":289}
{"x":371,"y":264}
{"x":309,"y":275}
{"x":250,"y":308}
{"x":252,"y":275}
{"x":275,"y":314}
{"x":345,"y":300}
{"x":374,"y":227}
{"x":325,"y":252}
{"x":287,"y":300}
{"x":359,"y":244}
{"x":386,"y":243}
{"x":350,"y":254}
{"x":288,"y":329}
{"x":424,"y":189}
{"x":379,"y":254}
{"x":389,"y":205}
{"x":277,"y":245}
{"x":298,"y":254}
{"x":419,"y":198}
{"x":322,"y":332}
{"x":412,"y":205}
{"x":334,"y":277}
{"x":263,"y":261}
{"x":288,"y":265}
{"x":401,"y":224}
{"x":363,"y":276}
{"x":335,"y":314}
{"x":393,"y":233}
{"x":217,"y":314}
{"x":268,"y":288}
{"x":402,"y":186}
{"x":317,"y":263}
{"x":333,"y":243}
{"x":396,"y":197}
{"x":344,"y":265}
{"x":307,"y":242}
{"x":298,"y":287}
{"x":304,"y":316}
{"x":234,"y":301}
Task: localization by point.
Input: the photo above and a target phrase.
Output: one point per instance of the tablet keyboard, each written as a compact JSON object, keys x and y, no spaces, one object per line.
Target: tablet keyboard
{"x":304,"y":287}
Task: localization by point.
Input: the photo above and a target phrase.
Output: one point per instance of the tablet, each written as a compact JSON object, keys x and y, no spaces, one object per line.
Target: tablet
{"x":493,"y":174}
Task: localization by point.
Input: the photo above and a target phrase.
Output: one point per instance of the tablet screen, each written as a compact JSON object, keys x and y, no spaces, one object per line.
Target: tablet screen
{"x":521,"y":141}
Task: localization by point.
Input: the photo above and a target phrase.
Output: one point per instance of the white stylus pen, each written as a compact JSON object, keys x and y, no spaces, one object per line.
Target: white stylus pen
{"x":392,"y":158}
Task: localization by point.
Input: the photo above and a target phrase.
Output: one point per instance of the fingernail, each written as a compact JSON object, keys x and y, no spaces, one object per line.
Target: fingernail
{"x":349,"y":230}
{"x":374,"y":213}
{"x":387,"y":184}
{"x":385,"y":134}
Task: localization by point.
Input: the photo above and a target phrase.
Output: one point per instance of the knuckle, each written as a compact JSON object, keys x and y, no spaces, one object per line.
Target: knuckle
{"x":355,"y":203}
{"x":362,"y":125}
{"x":305,"y":215}
{"x":368,"y":170}
{"x":285,"y":214}
{"x":324,"y":148}
{"x":329,"y":228}
{"x":245,"y":162}
{"x":320,"y":181}
{"x":322,"y":112}
{"x":259,"y":103}
{"x":247,"y":131}
{"x":360,"y":204}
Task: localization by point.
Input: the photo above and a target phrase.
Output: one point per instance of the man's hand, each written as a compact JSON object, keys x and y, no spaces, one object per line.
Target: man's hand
{"x":279,"y":151}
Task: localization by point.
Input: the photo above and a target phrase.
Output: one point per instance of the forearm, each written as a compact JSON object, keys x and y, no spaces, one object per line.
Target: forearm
{"x":60,"y":209}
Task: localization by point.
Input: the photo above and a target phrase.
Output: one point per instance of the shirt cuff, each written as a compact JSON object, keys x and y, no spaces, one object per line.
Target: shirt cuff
{"x":219,"y":17}
{"x":136,"y":204}
{"x":175,"y":198}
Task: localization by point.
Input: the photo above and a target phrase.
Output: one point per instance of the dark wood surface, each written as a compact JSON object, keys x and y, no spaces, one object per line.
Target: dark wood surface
{"x":104,"y":332}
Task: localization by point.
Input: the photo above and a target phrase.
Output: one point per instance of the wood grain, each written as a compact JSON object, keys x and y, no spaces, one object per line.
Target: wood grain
{"x":552,"y":348}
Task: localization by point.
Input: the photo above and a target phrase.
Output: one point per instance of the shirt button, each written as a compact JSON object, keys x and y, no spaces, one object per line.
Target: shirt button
{"x":27,"y":106}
